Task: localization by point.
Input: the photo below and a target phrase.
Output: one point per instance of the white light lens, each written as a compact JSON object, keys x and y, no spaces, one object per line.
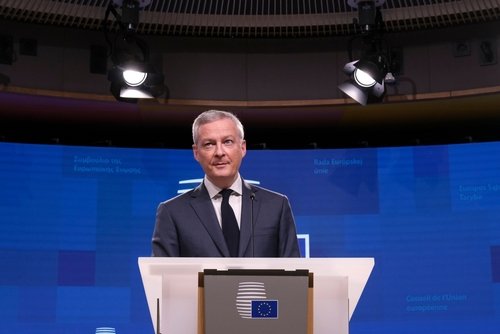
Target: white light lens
{"x":363,"y":79}
{"x":134,"y":78}
{"x":134,"y":93}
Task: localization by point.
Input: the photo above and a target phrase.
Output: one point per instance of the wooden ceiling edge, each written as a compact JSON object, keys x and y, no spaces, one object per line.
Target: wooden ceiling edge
{"x":257,"y":104}
{"x":56,"y":93}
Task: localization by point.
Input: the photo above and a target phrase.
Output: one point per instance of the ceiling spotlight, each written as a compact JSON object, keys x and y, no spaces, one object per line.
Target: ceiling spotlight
{"x":366,"y":84}
{"x":132,"y":81}
{"x":132,"y":76}
{"x":368,"y":74}
{"x":135,"y":79}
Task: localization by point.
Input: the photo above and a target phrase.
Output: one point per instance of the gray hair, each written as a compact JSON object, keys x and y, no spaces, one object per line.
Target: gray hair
{"x":210,"y":116}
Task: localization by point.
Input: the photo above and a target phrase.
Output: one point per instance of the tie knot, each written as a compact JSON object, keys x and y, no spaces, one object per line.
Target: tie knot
{"x":226,"y":193}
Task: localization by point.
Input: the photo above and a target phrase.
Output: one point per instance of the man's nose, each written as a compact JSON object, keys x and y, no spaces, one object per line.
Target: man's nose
{"x":219,"y":149}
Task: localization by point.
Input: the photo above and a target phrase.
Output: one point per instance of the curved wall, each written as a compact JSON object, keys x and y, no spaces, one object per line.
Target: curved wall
{"x":283,"y":83}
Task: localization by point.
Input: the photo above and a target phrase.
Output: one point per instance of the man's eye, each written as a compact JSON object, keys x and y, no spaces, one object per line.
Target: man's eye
{"x":228,"y":142}
{"x":207,"y":145}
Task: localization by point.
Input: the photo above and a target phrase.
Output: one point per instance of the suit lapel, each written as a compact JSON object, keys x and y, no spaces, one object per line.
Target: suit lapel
{"x":204,"y":209}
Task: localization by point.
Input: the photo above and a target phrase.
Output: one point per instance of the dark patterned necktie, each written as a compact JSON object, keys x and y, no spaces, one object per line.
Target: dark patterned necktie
{"x":230,"y":227}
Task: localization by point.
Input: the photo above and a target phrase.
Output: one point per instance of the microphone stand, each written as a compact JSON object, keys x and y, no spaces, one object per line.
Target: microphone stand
{"x":252,"y":197}
{"x":158,"y":316}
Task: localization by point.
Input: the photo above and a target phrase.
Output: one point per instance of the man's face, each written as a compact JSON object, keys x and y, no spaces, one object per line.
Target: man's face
{"x":219,"y":150}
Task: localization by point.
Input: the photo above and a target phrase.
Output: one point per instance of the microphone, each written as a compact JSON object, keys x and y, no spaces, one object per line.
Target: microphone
{"x":252,"y":197}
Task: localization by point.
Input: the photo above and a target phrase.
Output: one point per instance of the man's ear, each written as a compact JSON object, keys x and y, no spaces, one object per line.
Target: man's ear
{"x":195,"y":152}
{"x":243,"y":147}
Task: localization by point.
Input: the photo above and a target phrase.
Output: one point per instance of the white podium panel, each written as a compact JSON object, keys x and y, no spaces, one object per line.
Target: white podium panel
{"x":173,"y":282}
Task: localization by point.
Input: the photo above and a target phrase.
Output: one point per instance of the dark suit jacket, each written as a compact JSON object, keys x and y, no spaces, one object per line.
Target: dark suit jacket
{"x":187,"y":226}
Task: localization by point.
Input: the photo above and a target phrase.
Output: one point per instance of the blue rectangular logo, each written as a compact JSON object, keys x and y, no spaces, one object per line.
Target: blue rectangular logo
{"x":264,"y":309}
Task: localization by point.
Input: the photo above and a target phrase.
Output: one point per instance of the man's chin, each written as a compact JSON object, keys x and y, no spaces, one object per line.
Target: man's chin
{"x":222,"y":172}
{"x":222,"y":176}
{"x":225,"y":179}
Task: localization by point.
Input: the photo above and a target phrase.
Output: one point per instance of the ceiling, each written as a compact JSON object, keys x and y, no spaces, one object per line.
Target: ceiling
{"x":255,"y":18}
{"x":425,"y":121}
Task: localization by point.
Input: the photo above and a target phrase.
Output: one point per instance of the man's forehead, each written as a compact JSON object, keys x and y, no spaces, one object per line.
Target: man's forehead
{"x":217,"y":129}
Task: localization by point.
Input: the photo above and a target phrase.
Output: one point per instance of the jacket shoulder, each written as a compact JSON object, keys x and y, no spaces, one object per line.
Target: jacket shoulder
{"x":183,"y":198}
{"x":261,"y":191}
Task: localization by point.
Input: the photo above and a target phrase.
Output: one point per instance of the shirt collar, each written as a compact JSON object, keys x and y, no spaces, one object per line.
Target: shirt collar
{"x":213,"y":190}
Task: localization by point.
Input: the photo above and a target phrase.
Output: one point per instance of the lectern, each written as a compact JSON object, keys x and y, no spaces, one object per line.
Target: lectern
{"x":173,"y":293}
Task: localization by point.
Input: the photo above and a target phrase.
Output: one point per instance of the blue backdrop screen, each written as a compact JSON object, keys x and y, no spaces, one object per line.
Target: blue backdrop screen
{"x":74,"y":220}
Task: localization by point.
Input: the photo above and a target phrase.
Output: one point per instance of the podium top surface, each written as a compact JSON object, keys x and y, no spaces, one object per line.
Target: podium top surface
{"x":262,"y":263}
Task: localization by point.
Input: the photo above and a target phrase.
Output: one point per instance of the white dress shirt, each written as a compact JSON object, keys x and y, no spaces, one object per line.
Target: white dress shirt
{"x":234,"y":199}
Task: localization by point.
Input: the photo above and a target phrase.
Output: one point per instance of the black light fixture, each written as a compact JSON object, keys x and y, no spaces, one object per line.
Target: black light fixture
{"x":367,"y":83}
{"x":132,"y":75}
{"x":368,"y":74}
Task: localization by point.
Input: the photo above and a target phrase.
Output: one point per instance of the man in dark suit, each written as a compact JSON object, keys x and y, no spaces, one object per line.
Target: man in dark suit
{"x":192,"y":224}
